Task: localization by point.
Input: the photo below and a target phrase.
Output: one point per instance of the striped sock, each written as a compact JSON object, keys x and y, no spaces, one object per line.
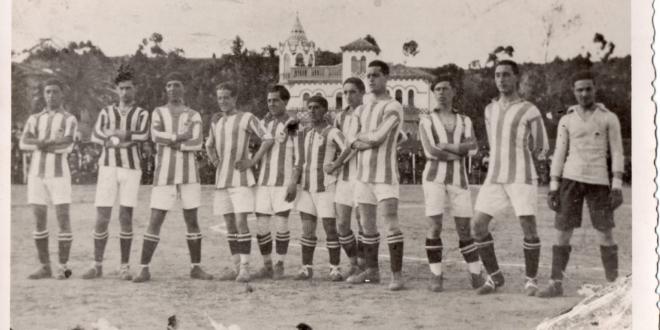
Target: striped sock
{"x":486,"y":249}
{"x":371,"y":243}
{"x":532,"y":251}
{"x":41,"y":241}
{"x":149,"y":244}
{"x":334,"y":251}
{"x":308,"y":246}
{"x":194,"y":241}
{"x":395,"y":244}
{"x":349,"y":244}
{"x":469,"y":251}
{"x":100,"y":240}
{"x":434,"y":254}
{"x":265,"y":244}
{"x":125,"y":241}
{"x":282,"y":244}
{"x":64,"y":241}
{"x":244,"y":246}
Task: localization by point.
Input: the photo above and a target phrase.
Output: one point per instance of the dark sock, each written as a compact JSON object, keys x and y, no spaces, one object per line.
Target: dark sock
{"x":486,"y":249}
{"x":308,"y":246}
{"x":349,"y":244}
{"x":469,"y":250}
{"x":395,"y":245}
{"x":532,"y":251}
{"x":334,"y":251}
{"x":194,"y":241}
{"x":64,"y":241}
{"x":610,"y":257}
{"x":149,"y":244}
{"x":41,"y":241}
{"x":560,"y":255}
{"x":125,"y":241}
{"x":360,"y":246}
{"x":265,"y":244}
{"x":434,"y":250}
{"x":100,"y":240}
{"x":282,"y":242}
{"x":244,"y":243}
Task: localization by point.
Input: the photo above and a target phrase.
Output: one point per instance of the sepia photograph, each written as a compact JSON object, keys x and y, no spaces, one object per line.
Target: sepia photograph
{"x":374,"y":164}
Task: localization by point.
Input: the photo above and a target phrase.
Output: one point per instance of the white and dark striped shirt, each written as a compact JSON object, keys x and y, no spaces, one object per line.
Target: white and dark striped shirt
{"x":432,"y":131}
{"x":176,"y":166}
{"x":380,"y":122}
{"x":228,"y":141}
{"x":136,"y":121}
{"x":512,"y":129}
{"x":319,"y":148}
{"x":278,"y":163}
{"x":348,"y":122}
{"x":49,"y":125}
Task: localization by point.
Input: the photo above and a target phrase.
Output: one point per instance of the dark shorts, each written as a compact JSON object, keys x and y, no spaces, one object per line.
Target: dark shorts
{"x":571,"y":198}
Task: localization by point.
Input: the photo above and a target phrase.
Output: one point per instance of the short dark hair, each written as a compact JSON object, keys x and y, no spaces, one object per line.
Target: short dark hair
{"x":227,"y":86}
{"x":175,"y":76}
{"x":284,"y":93}
{"x":318,"y":99}
{"x":125,"y":73}
{"x":583,"y":75}
{"x":442,"y":78}
{"x":357,"y":82}
{"x":384,"y":68}
{"x":53,"y":82}
{"x":512,"y":64}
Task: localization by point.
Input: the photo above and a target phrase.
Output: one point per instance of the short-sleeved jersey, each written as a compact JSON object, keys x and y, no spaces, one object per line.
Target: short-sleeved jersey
{"x":510,"y":129}
{"x":319,"y":148}
{"x":176,"y":166}
{"x":135,"y":120}
{"x":431,"y":132}
{"x":49,"y":125}
{"x":348,"y":122}
{"x":229,"y":139}
{"x":277,"y":164}
{"x":380,"y":119}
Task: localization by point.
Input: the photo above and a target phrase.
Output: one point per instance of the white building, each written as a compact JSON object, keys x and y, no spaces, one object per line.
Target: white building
{"x":303,"y":78}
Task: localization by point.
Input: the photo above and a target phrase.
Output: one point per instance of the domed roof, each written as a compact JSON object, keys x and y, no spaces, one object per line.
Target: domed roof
{"x":360,"y":44}
{"x":298,"y":36}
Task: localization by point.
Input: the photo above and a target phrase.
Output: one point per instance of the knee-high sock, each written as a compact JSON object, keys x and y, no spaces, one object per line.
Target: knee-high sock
{"x":471,"y":255}
{"x":41,"y":241}
{"x":360,"y":246}
{"x":282,"y":244}
{"x":265,"y":244}
{"x":434,"y":254}
{"x":100,"y":240}
{"x":149,"y":244}
{"x":532,"y":251}
{"x":395,"y":244}
{"x":610,"y":258}
{"x":349,"y":244}
{"x":486,"y":250}
{"x":64,"y":241}
{"x":560,"y":256}
{"x":334,"y":252}
{"x":194,"y":241}
{"x":125,"y":241}
{"x":244,"y":246}
{"x":308,"y":246}
{"x":371,"y":243}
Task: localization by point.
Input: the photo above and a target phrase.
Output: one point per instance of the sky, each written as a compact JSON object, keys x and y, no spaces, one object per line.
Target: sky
{"x":446,"y":31}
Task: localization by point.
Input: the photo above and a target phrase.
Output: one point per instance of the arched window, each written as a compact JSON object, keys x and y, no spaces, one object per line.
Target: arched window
{"x":411,"y":98}
{"x":318,"y":94}
{"x":355,"y":66}
{"x":339,"y":100}
{"x":398,"y":95}
{"x":300,"y":60}
{"x":363,"y":65}
{"x":305,"y":98}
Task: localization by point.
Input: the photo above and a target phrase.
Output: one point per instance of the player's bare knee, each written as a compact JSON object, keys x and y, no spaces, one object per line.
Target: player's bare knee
{"x":528,"y":225}
{"x":263,"y":224}
{"x":564,"y":237}
{"x":463,"y":228}
{"x":330,"y":226}
{"x":103,"y":213}
{"x":605,"y":237}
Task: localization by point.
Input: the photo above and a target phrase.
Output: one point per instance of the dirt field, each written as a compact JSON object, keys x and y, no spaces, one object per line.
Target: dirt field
{"x":53,"y":304}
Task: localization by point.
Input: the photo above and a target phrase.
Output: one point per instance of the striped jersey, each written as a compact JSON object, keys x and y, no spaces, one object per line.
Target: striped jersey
{"x":380,"y":120}
{"x":277,"y":164}
{"x":175,"y":165}
{"x":348,"y":123}
{"x":136,"y":120}
{"x":512,"y":130}
{"x":431,"y":132}
{"x":319,"y":149}
{"x":229,"y":139}
{"x":48,"y":125}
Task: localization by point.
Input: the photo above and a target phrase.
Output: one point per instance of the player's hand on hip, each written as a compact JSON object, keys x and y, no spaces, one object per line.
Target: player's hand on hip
{"x":243,"y":164}
{"x":616,"y":198}
{"x":291,"y":191}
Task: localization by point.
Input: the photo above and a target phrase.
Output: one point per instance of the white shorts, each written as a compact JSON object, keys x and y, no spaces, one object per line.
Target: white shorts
{"x":233,"y":200}
{"x":438,"y":196}
{"x":271,"y":200}
{"x":345,"y":192}
{"x":42,"y":190}
{"x":495,"y":197}
{"x":113,"y":180}
{"x":164,"y":197}
{"x":372,"y":193}
{"x":319,"y":204}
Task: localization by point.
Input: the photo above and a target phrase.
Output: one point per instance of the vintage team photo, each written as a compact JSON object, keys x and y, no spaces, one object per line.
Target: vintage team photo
{"x":321,"y":165}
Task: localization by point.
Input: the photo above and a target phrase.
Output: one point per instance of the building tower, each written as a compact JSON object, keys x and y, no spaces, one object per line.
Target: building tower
{"x":296,"y":51}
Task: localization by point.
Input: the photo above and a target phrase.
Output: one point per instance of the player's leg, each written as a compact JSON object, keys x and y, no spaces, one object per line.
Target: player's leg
{"x":344,"y":201}
{"x":244,"y":244}
{"x":602,"y":219}
{"x":308,"y":243}
{"x":230,"y":273}
{"x":523,"y":198}
{"x":388,"y":208}
{"x":125,"y":241}
{"x":325,"y":210}
{"x":191,"y":196}
{"x":100,"y":236}
{"x":434,"y":203}
{"x":60,"y":193}
{"x":367,"y":206}
{"x":162,"y":199}
{"x":461,"y":206}
{"x":282,"y":238}
{"x":264,"y":210}
{"x":361,"y":261}
{"x":561,"y":252}
{"x":40,"y":212}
